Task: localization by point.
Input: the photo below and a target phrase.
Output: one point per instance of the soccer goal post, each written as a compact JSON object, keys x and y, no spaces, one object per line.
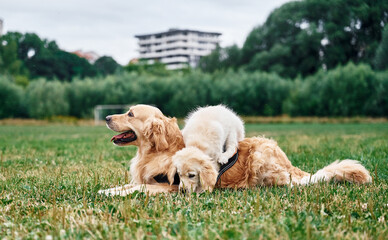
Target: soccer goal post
{"x":101,"y":111}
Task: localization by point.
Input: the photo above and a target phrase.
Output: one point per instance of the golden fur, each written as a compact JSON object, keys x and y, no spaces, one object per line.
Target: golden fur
{"x":158,"y":139}
{"x":261,"y":162}
{"x":212,"y":134}
{"x":214,"y":130}
{"x":196,"y":170}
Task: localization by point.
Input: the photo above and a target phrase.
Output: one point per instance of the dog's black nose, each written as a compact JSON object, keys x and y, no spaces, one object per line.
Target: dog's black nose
{"x":108,"y":118}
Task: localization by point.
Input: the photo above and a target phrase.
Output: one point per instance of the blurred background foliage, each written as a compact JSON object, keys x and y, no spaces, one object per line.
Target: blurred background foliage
{"x":302,"y":37}
{"x":29,"y":56}
{"x":350,"y":90}
{"x":309,"y":58}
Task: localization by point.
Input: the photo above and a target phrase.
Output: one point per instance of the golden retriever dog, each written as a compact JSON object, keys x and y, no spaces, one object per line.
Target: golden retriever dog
{"x":211,"y":134}
{"x":215,"y":131}
{"x":260,"y":163}
{"x":157,"y":137}
{"x":197,"y":172}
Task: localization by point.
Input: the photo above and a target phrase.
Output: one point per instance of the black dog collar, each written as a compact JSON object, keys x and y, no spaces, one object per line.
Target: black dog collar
{"x":227,"y":165}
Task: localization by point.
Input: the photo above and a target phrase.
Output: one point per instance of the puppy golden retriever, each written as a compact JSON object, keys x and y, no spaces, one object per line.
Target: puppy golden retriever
{"x":215,"y":131}
{"x":211,"y":134}
{"x":260,"y":163}
{"x":157,"y":137}
{"x":197,"y":172}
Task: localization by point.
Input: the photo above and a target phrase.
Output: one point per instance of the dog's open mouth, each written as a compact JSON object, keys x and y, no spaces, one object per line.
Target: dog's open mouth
{"x":124,"y":137}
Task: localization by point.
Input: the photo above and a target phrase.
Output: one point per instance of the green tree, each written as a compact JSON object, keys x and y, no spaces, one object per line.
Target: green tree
{"x":211,"y":62}
{"x":157,"y":68}
{"x":381,"y":58}
{"x":106,"y":65}
{"x":9,"y":61}
{"x":305,"y":36}
{"x":42,"y":58}
{"x":221,"y":59}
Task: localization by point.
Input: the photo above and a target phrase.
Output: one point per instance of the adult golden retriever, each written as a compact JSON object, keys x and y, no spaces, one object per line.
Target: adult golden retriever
{"x":261,"y":162}
{"x":157,"y":138}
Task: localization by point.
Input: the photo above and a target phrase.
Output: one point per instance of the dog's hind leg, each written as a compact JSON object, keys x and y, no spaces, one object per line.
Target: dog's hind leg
{"x":231,"y":145}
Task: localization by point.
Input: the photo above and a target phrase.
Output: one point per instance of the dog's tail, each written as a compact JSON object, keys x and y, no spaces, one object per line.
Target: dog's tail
{"x":341,"y":171}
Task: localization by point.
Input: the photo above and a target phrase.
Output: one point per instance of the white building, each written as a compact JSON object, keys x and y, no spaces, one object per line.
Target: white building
{"x":177,"y":48}
{"x":1,"y":27}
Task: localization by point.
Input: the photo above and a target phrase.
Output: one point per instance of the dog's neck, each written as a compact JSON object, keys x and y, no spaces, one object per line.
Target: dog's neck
{"x":141,"y":169}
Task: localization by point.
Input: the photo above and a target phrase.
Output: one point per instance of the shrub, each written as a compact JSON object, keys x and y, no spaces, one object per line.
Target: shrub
{"x":11,"y":99}
{"x":83,"y":95}
{"x":252,"y":93}
{"x":45,"y":99}
{"x":304,"y":98}
{"x":351,"y":90}
{"x":188,"y":92}
{"x":346,"y":90}
{"x":377,"y":104}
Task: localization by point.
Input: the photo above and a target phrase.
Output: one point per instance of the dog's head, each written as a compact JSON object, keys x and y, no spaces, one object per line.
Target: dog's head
{"x":143,"y":125}
{"x":195,"y":170}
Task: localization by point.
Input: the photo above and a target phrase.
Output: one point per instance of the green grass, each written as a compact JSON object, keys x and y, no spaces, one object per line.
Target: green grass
{"x":50,"y":175}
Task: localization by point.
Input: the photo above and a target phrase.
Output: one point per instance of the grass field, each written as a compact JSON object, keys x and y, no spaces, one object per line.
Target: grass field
{"x":50,"y":175}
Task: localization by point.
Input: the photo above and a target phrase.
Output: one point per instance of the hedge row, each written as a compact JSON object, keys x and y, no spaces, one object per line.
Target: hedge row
{"x":351,"y":90}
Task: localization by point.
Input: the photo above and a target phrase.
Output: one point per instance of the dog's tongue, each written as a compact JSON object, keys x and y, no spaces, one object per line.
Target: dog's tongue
{"x":119,"y":136}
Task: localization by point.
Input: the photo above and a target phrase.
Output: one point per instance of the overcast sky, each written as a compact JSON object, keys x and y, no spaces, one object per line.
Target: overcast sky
{"x":108,"y":26}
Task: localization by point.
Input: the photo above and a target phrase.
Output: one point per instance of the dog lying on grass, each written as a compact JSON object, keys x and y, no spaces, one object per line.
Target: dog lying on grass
{"x":157,"y":137}
{"x":260,"y":163}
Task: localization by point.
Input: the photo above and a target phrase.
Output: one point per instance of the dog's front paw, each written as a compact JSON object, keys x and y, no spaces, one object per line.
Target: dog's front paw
{"x":223,"y":160}
{"x":139,"y":188}
{"x":109,"y":192}
{"x":117,"y":191}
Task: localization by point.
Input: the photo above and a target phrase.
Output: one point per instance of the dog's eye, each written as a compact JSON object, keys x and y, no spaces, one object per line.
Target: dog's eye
{"x":130,"y":114}
{"x":191,"y":175}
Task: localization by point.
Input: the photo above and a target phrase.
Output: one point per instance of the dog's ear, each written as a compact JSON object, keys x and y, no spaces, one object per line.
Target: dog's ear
{"x":207,"y":176}
{"x":171,"y":174}
{"x":174,"y":134}
{"x":155,"y":132}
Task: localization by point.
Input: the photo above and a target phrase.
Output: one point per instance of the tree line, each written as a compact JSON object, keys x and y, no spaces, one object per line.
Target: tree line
{"x":310,"y":58}
{"x":302,"y":37}
{"x":27,"y":56}
{"x":351,"y":90}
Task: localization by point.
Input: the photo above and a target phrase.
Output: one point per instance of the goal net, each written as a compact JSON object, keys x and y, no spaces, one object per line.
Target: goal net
{"x":101,"y":111}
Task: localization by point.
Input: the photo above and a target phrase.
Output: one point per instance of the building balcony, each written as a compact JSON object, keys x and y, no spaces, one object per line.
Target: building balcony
{"x":178,"y":44}
{"x":189,"y":52}
{"x":176,"y":66}
{"x":175,"y":60}
{"x":180,"y":37}
{"x":165,"y":39}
